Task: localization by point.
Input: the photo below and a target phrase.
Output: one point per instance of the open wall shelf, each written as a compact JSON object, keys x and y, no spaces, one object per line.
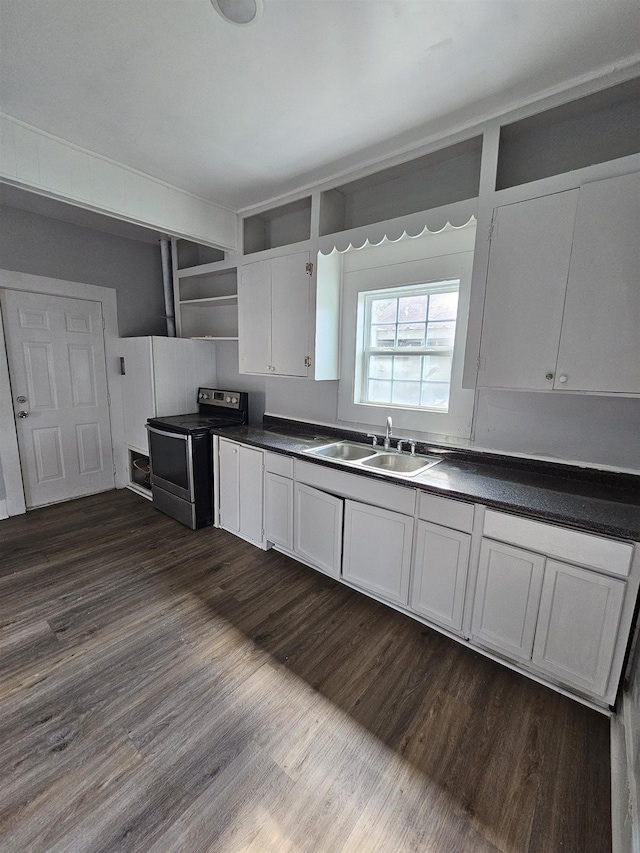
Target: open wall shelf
{"x":591,"y":130}
{"x":433,"y":180}
{"x":280,"y":226}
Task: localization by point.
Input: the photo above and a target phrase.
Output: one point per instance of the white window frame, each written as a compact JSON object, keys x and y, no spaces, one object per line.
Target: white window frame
{"x":445,"y":256}
{"x":365,"y":349}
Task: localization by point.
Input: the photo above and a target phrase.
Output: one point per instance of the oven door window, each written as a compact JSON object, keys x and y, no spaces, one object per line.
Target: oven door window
{"x":171,"y":462}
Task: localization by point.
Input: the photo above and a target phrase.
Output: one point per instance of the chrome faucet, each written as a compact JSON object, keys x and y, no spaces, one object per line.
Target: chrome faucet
{"x":388,"y":433}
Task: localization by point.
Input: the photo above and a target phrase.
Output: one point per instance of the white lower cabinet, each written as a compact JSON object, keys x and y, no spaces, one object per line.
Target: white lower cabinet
{"x":578,"y":626}
{"x":507,"y":599}
{"x":318,"y":528}
{"x":240,"y":471}
{"x":278,"y":510}
{"x":560,"y":619}
{"x":377,"y":550}
{"x":439,"y":574}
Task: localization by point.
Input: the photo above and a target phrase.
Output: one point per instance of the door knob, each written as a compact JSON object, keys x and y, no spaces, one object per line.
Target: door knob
{"x":23,"y":414}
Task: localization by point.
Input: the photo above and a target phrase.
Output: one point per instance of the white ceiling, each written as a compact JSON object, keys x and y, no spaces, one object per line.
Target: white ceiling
{"x":240,"y":115}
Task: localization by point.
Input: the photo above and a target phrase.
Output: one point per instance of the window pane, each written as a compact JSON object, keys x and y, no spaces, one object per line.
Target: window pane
{"x":407,"y":393}
{"x":411,"y":335}
{"x":413,"y":309}
{"x":384,"y":310}
{"x":380,"y":366}
{"x":383,"y":336}
{"x":379,"y":391}
{"x":441,"y":334}
{"x":437,"y":368}
{"x":443,"y":306}
{"x":407,"y":367}
{"x":435,"y":395}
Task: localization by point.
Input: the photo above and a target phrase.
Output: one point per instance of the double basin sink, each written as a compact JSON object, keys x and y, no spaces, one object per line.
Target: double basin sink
{"x":377,"y":459}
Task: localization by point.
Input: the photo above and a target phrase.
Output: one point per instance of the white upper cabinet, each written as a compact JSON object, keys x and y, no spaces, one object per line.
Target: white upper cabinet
{"x":600,"y":340}
{"x":273,"y":316}
{"x":526,"y":282}
{"x":562,"y":301}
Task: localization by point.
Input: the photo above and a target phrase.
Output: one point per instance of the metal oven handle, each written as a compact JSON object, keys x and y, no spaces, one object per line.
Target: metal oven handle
{"x":167,"y":434}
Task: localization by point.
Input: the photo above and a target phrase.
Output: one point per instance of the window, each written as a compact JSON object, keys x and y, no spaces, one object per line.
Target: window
{"x":408,"y":343}
{"x":404,"y":322}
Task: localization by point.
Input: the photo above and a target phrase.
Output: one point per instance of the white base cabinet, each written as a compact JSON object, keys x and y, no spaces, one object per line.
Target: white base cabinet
{"x":377,"y":550}
{"x":318,"y":528}
{"x":507,"y":599}
{"x":278,"y":510}
{"x":240,"y":472}
{"x":578,"y":626}
{"x":439,"y":575}
{"x":556,"y":603}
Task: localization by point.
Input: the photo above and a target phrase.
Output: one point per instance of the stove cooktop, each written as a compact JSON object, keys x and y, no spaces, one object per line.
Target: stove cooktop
{"x":192,"y":423}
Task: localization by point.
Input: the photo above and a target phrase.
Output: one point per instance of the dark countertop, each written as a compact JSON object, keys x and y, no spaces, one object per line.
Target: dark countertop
{"x":594,"y":501}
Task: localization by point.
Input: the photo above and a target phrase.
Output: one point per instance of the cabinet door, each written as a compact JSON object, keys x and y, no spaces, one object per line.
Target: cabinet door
{"x":254,"y":318}
{"x":229,"y":475}
{"x":600,"y":340}
{"x":439,"y":576}
{"x":578,"y":626}
{"x":250,"y":489}
{"x":507,"y":598}
{"x":278,"y":510}
{"x":318,"y":528}
{"x":526,"y":285}
{"x":290,"y":293}
{"x":377,"y":550}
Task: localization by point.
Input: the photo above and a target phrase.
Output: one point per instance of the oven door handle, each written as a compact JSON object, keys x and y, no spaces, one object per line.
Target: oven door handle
{"x":167,"y":434}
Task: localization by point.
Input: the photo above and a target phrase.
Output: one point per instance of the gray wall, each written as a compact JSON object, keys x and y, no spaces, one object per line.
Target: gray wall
{"x":588,"y":430}
{"x":39,"y":245}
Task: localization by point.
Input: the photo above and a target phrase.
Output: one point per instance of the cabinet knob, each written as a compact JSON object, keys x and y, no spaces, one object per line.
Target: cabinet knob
{"x":562,"y":378}
{"x":549,"y":376}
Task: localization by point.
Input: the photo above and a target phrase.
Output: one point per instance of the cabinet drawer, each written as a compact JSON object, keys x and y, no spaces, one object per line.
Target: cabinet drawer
{"x":363,"y":489}
{"x":448,"y":513}
{"x":576,"y":547}
{"x":276,"y":463}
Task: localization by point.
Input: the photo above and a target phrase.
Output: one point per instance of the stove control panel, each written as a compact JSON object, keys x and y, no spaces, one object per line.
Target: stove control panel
{"x":226,"y":399}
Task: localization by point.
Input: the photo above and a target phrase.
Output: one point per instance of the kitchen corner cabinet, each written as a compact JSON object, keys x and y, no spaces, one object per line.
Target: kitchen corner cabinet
{"x":377,"y":550}
{"x":274,"y":301}
{"x":562,"y":301}
{"x":240,"y":472}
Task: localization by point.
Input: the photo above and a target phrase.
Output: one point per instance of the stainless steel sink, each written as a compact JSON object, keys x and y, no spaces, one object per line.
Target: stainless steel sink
{"x":343,"y":450}
{"x":396,"y":463}
{"x":356,"y":455}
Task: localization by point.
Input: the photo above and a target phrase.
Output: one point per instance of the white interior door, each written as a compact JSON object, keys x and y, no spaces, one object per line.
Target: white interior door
{"x":55,"y":350}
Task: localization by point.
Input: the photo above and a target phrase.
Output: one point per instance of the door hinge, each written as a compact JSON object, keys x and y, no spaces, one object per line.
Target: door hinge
{"x":309,"y":268}
{"x":104,"y":325}
{"x":307,"y":361}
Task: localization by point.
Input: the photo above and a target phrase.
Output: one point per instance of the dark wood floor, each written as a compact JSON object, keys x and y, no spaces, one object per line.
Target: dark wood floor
{"x":170,"y":690}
